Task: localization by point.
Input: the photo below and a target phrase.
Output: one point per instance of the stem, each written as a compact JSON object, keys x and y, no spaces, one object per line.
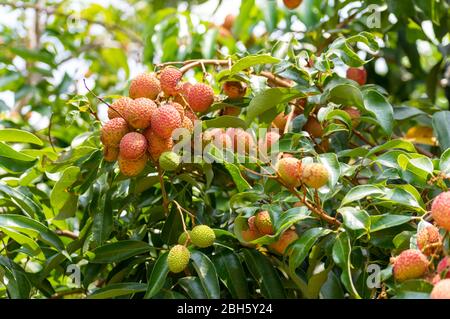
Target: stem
{"x":163,"y":191}
{"x":60,"y":294}
{"x":67,"y":233}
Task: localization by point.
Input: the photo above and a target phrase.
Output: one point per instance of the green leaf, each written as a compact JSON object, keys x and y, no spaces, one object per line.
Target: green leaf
{"x":385,"y":221}
{"x":225,"y":121}
{"x":207,"y":274}
{"x":118,"y":251}
{"x":232,"y":274}
{"x":360,"y":192}
{"x":444,"y":163}
{"x":241,"y":184}
{"x":21,"y":200}
{"x":248,"y":62}
{"x":9,"y":152}
{"x":119,"y":289}
{"x":377,"y":104}
{"x":158,"y":276}
{"x":355,"y":219}
{"x":19,"y":285}
{"x":393,"y":144}
{"x":346,"y":94}
{"x":59,"y":194}
{"x":441,"y":126}
{"x":19,"y":136}
{"x":193,"y":287}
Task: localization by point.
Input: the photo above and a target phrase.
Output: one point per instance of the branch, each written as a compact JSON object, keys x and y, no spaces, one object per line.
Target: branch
{"x":67,"y":233}
{"x":163,"y":191}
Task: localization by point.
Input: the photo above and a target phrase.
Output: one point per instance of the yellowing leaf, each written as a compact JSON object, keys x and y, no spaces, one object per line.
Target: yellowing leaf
{"x":421,"y":135}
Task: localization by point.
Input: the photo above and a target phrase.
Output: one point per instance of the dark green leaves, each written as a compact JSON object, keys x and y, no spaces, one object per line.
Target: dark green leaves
{"x":119,"y":251}
{"x":441,"y":126}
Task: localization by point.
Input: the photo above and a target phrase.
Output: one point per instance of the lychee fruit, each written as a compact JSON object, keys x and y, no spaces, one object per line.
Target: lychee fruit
{"x":110,"y":153}
{"x":354,"y":114}
{"x":410,"y":264}
{"x":231,"y":111}
{"x":358,"y":75}
{"x":190,"y":115}
{"x":183,"y":238}
{"x":132,"y":146}
{"x":182,"y":96}
{"x":200,"y":97}
{"x":145,"y":85}
{"x":290,"y":171}
{"x":223,"y":141}
{"x":187,"y":124}
{"x":132,"y":167}
{"x":243,"y":141}
{"x":280,"y":121}
{"x":202,"y":236}
{"x":287,"y":238}
{"x":443,"y":268}
{"x":178,"y":258}
{"x":265,"y":143}
{"x":235,"y":90}
{"x":139,"y":113}
{"x":165,"y":120}
{"x":170,"y":78}
{"x":441,"y":290}
{"x":440,"y":210}
{"x":180,"y":109}
{"x":429,"y":240}
{"x":292,"y":4}
{"x":263,"y":223}
{"x":169,"y":161}
{"x":315,"y":175}
{"x":118,"y":107}
{"x":313,"y":127}
{"x":157,"y":145}
{"x":249,"y":235}
{"x":113,"y":131}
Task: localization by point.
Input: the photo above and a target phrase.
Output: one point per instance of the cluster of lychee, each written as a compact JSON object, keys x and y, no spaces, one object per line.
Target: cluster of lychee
{"x":140,"y":126}
{"x":294,"y":173}
{"x":417,"y":263}
{"x":179,"y":255}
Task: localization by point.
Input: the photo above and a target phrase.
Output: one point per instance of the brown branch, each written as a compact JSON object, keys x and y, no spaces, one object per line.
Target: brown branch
{"x":277,"y":80}
{"x":61,"y":294}
{"x":66,"y":233}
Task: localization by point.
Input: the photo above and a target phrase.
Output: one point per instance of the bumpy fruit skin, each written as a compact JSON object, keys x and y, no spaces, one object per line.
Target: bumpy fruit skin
{"x":139,"y":113}
{"x":156,"y":144}
{"x":132,"y":146}
{"x":313,"y":127}
{"x":170,"y":78}
{"x":178,"y":258}
{"x":200,"y":97}
{"x":428,"y":240}
{"x":263,"y":223}
{"x":223,"y":141}
{"x":145,"y":85}
{"x":315,"y":175}
{"x":440,"y":210}
{"x":357,"y":75}
{"x":441,"y":290}
{"x":354,"y":114}
{"x":410,"y":264}
{"x":443,"y":268}
{"x":182,"y":96}
{"x":235,"y":90}
{"x":165,"y":120}
{"x":280,"y":121}
{"x":113,"y":131}
{"x":249,"y":235}
{"x":290,"y":171}
{"x":110,"y":153}
{"x":280,"y":246}
{"x":132,"y":168}
{"x":187,"y":124}
{"x":292,"y":4}
{"x":243,"y":141}
{"x":265,"y":143}
{"x":169,"y":161}
{"x":202,"y":236}
{"x":190,"y":115}
{"x":182,"y":239}
{"x":179,"y":108}
{"x":119,"y":105}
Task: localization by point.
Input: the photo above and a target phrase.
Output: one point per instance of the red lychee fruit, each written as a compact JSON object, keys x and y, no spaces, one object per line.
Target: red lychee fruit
{"x":243,"y":141}
{"x":132,"y":167}
{"x":358,"y":75}
{"x":441,"y":290}
{"x":440,"y":210}
{"x":443,"y":268}
{"x":165,"y":119}
{"x":200,"y":97}
{"x":187,"y":124}
{"x":190,"y":115}
{"x":280,"y":121}
{"x":290,"y":171}
{"x":156,"y":144}
{"x":292,"y":4}
{"x":265,"y":143}
{"x":354,"y":114}
{"x":287,"y":238}
{"x":110,"y":153}
{"x":180,"y":109}
{"x":132,"y":146}
{"x":235,"y":90}
{"x":170,"y":78}
{"x":252,"y":232}
{"x":113,"y":131}
{"x":263,"y":223}
{"x":410,"y":264}
{"x":223,"y":141}
{"x":429,"y":240}
{"x":231,"y":111}
{"x":139,"y":113}
{"x":117,"y":108}
{"x":313,"y":127}
{"x":182,"y":96}
{"x":145,"y":85}
{"x":315,"y":175}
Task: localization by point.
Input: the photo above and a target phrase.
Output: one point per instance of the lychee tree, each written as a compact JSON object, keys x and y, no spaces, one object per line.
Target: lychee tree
{"x":288,"y":169}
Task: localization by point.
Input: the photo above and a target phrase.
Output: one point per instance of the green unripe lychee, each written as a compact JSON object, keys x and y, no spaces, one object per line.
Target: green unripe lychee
{"x":410,"y":264}
{"x":182,"y":239}
{"x":169,"y":161}
{"x":263,"y":223}
{"x":178,"y":258}
{"x":315,"y":175}
{"x":202,"y":236}
{"x":440,"y":210}
{"x":441,"y":290}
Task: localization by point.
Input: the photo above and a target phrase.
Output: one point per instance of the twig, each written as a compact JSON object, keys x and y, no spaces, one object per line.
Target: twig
{"x":66,"y":233}
{"x":60,"y":294}
{"x":163,"y":191}
{"x":50,"y":133}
